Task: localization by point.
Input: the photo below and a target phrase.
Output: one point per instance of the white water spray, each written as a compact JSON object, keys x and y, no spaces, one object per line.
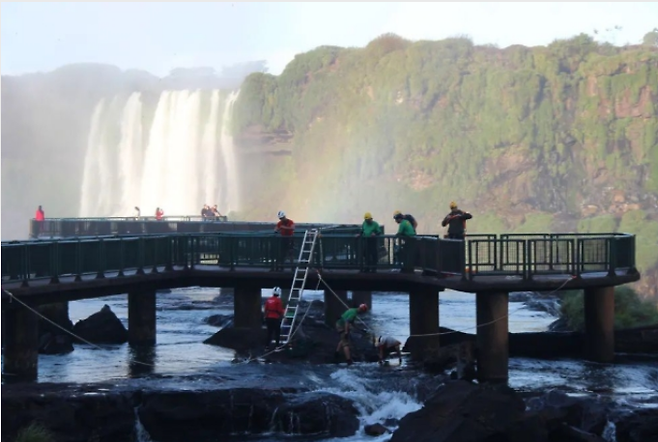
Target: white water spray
{"x":177,"y":168}
{"x":228,"y":151}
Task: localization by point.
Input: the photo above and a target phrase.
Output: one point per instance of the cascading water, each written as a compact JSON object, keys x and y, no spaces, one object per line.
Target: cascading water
{"x":187,"y":160}
{"x":230,"y":165}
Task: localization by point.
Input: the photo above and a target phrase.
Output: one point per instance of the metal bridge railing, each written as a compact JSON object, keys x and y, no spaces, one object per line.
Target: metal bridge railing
{"x":524,"y":256}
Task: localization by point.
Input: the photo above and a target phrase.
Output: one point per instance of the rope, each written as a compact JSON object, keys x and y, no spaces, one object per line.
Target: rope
{"x":452,"y":331}
{"x":36,"y":312}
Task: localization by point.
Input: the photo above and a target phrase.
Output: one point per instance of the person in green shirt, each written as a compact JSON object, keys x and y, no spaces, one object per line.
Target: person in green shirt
{"x":407,"y":234}
{"x":343,"y":326}
{"x":370,"y":230}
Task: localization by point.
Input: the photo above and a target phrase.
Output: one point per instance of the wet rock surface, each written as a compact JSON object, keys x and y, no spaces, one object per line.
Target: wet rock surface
{"x":102,"y":412}
{"x":314,"y":342}
{"x":102,"y":327}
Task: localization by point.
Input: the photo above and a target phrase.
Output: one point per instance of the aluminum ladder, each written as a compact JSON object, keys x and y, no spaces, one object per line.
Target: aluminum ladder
{"x":298,"y":284}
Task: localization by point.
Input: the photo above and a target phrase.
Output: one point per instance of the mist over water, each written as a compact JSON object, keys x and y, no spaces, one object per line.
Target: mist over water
{"x":178,"y":155}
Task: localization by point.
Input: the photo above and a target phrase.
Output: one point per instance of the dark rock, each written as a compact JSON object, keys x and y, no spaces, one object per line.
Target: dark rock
{"x":102,"y":327}
{"x":550,"y":306}
{"x":81,"y":415}
{"x":50,"y":344}
{"x":639,"y":426}
{"x":54,"y":332}
{"x":557,"y":407}
{"x":565,"y":433}
{"x":546,"y":344}
{"x":318,"y":414}
{"x":530,"y":428}
{"x":219,"y":320}
{"x":211,"y":415}
{"x":314,"y":342}
{"x":521,"y":296}
{"x":461,"y":411}
{"x":559,"y":325}
{"x":375,"y":430}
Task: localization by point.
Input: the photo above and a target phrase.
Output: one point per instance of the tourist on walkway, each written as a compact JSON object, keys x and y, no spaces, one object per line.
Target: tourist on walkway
{"x":218,"y":216}
{"x":406,"y":249}
{"x":159,"y":213}
{"x":343,"y":327}
{"x":138,"y":212}
{"x":39,"y":217}
{"x":286,"y":228}
{"x":273,"y":316}
{"x":385,"y":346}
{"x":370,"y":230}
{"x":456,"y":222}
{"x":409,"y":218}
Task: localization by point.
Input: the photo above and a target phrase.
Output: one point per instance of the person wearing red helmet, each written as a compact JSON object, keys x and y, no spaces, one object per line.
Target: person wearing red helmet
{"x":343,"y":326}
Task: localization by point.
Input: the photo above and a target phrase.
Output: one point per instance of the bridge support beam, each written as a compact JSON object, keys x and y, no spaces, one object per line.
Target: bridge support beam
{"x":21,"y":351}
{"x":141,"y":317}
{"x":247,"y":307}
{"x":333,"y":308}
{"x":423,"y":320}
{"x":492,"y":336}
{"x":362,"y":297}
{"x":599,"y":324}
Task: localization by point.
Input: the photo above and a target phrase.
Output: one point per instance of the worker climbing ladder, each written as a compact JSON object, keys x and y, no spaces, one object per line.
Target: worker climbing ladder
{"x":298,"y":285}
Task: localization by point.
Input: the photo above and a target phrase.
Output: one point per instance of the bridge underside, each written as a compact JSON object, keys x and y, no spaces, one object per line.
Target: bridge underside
{"x":68,"y":289}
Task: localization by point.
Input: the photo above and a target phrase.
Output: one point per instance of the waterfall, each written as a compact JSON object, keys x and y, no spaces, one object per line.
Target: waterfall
{"x":90,"y":176}
{"x":180,"y":160}
{"x":230,"y":164}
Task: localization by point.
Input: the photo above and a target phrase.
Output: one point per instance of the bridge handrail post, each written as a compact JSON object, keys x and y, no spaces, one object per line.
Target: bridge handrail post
{"x":613,"y":243}
{"x":530,"y":258}
{"x":122,"y":251}
{"x":54,"y":262}
{"x":140,"y":251}
{"x":169,"y":252}
{"x":101,"y":259}
{"x":78,"y":260}
{"x":462,"y":257}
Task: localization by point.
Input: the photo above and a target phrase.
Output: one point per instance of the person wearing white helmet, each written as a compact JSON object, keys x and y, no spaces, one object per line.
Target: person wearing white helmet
{"x":273,"y":314}
{"x":385,"y":345}
{"x":286,"y":228}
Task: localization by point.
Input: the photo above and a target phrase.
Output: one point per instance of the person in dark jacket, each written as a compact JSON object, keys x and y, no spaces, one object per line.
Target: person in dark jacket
{"x":456,"y":222}
{"x":273,"y":315}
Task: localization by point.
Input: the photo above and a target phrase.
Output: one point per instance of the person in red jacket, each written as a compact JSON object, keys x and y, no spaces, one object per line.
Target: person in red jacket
{"x":159,"y":213}
{"x":39,"y":217}
{"x":286,"y":229}
{"x":273,"y":316}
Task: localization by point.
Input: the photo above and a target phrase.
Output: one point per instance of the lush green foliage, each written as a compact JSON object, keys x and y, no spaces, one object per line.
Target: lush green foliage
{"x":516,"y":135}
{"x":630,"y":310}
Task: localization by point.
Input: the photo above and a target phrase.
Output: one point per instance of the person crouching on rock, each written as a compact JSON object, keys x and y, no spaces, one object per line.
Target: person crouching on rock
{"x":385,"y":345}
{"x":343,"y":326}
{"x":273,"y":315}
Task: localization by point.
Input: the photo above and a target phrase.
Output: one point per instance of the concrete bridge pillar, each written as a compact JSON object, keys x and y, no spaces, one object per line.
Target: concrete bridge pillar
{"x":423,"y":320}
{"x":141,"y":317}
{"x":599,"y":324}
{"x":333,"y":308}
{"x":362,"y":297}
{"x":492,"y":336}
{"x":247,"y":307}
{"x":20,"y":357}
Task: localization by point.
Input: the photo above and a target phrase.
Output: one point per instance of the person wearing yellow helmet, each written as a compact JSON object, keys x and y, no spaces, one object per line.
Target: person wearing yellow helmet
{"x":370,"y":230}
{"x":398,"y":214}
{"x":456,"y":222}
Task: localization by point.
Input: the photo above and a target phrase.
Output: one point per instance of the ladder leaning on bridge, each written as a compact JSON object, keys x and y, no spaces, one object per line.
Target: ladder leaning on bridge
{"x":298,"y":285}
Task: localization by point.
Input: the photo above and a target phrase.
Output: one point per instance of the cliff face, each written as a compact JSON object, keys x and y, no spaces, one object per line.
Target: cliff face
{"x":557,"y":138}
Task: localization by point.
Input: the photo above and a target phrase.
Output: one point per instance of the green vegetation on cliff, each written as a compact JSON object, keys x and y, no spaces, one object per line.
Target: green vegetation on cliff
{"x":527,"y":139}
{"x":630,"y":310}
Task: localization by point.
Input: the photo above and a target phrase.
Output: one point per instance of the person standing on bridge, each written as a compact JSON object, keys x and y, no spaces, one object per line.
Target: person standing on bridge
{"x":370,"y":230}
{"x":286,"y":228}
{"x":273,"y":315}
{"x":409,"y":218}
{"x":159,"y":213}
{"x":456,"y":222}
{"x":343,"y":327}
{"x":407,"y":235}
{"x":39,"y":217}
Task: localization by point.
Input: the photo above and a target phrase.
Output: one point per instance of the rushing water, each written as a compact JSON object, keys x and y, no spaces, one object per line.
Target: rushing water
{"x":151,"y":155}
{"x":181,"y":360}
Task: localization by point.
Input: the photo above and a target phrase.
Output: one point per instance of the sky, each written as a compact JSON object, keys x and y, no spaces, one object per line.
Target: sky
{"x":157,"y":37}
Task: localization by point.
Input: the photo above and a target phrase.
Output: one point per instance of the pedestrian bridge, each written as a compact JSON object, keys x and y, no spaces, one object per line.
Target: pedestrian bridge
{"x":44,"y":271}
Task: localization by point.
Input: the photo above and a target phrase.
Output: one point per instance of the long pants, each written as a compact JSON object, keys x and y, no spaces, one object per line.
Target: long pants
{"x":285,"y":251}
{"x":456,"y":236}
{"x":371,"y":253}
{"x":273,"y":330}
